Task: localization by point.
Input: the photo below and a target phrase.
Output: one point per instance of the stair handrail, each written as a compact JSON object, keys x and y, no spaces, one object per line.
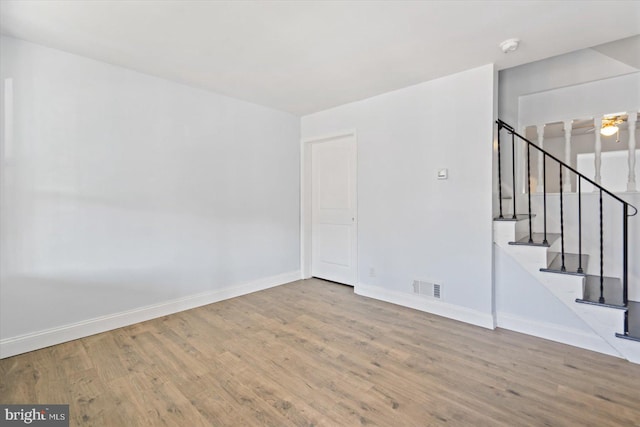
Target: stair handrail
{"x":625,"y":205}
{"x":502,"y":124}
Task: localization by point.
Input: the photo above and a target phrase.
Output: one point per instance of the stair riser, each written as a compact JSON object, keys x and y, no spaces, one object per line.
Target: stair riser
{"x":606,"y":322}
{"x":504,"y":232}
{"x":510,"y":231}
{"x":531,"y":256}
{"x":607,"y":319}
{"x":565,"y":288}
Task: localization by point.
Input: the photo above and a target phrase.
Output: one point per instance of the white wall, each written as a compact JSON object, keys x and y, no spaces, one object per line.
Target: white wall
{"x":122,"y":190}
{"x":582,"y":66}
{"x":592,"y":99}
{"x":411,"y":225}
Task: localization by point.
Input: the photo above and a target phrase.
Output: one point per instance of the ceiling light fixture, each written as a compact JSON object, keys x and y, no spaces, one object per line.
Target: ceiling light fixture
{"x":610,"y":126}
{"x":509,"y":45}
{"x":609,"y":130}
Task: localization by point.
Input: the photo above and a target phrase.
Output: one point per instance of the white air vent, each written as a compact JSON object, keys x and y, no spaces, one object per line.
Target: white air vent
{"x":428,"y":289}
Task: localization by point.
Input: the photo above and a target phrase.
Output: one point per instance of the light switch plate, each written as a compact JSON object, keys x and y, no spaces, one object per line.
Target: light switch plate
{"x":443,"y":173}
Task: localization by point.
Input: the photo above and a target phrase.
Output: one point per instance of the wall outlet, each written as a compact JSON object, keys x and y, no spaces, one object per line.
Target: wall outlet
{"x":372,"y":272}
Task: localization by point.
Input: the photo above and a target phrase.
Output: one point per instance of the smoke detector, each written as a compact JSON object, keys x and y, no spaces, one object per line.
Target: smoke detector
{"x":509,"y":45}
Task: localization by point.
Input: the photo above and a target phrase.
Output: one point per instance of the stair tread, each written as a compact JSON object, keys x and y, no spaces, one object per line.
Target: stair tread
{"x":570,"y":263}
{"x":509,"y":217}
{"x":537,"y":240}
{"x":612,"y":291}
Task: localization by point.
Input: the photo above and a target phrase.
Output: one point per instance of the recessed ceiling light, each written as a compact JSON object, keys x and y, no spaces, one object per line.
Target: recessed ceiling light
{"x":509,"y":45}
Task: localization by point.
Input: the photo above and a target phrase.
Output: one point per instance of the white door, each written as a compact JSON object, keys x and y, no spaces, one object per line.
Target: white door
{"x":333,"y":213}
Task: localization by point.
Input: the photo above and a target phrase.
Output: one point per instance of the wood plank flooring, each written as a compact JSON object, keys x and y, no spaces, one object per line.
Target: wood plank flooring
{"x":313,"y":353}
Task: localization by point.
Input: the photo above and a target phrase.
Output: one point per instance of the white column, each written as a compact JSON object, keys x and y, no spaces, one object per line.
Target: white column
{"x":567,"y":156}
{"x":521,"y":163}
{"x":631,"y":120}
{"x":540,"y":129}
{"x":597,"y":121}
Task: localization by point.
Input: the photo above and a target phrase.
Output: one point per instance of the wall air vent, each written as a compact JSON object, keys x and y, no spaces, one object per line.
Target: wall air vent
{"x":428,"y":289}
{"x":436,"y":290}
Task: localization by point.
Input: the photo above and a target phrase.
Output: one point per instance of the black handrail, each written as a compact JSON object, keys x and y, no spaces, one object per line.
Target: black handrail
{"x":580,"y":177}
{"x":511,"y":130}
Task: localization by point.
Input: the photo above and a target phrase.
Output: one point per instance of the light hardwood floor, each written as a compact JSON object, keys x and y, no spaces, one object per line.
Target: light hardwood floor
{"x":313,"y":353}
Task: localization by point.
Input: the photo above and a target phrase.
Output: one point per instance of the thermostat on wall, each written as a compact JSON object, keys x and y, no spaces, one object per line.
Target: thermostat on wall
{"x":443,"y":174}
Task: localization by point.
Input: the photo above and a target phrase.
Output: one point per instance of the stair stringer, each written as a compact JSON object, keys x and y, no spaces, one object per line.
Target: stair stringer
{"x":604,"y":321}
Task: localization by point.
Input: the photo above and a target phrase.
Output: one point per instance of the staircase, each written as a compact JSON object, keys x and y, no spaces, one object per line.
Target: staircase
{"x":600,"y":300}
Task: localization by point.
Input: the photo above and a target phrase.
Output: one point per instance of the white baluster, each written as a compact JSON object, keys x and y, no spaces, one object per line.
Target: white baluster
{"x":567,"y":155}
{"x":597,"y":121}
{"x":540,"y":129}
{"x":631,"y":120}
{"x":521,"y":159}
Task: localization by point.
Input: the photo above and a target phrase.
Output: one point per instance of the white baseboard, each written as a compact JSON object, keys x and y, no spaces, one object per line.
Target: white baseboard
{"x":421,"y":303}
{"x":557,"y":333}
{"x":45,"y":338}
